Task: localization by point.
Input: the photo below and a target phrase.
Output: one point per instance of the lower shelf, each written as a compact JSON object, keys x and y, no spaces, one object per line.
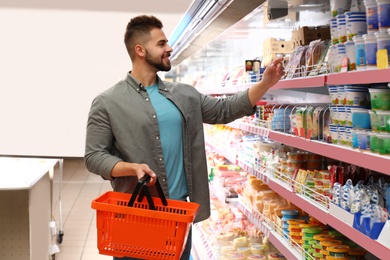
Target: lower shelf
{"x":201,"y":250}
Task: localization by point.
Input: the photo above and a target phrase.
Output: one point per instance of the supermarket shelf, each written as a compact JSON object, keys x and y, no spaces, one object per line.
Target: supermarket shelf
{"x":283,"y":246}
{"x":307,"y":82}
{"x":259,"y":174}
{"x":221,"y":196}
{"x":306,"y":205}
{"x":229,"y":154}
{"x":350,"y":77}
{"x":357,"y":157}
{"x":200,"y":246}
{"x":366,"y":242}
{"x":354,"y":156}
{"x":280,"y":243}
{"x":323,"y":215}
{"x":326,"y":217}
{"x":359,"y":77}
{"x":300,"y":83}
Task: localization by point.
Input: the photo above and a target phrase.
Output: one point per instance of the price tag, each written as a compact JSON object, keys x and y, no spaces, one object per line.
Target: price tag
{"x":382,"y":60}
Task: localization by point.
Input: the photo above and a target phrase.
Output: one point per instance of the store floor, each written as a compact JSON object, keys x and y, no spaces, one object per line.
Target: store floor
{"x":79,"y":188}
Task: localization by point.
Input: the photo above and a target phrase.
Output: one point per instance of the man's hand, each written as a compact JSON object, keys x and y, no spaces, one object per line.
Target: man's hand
{"x":134,"y":169}
{"x":142,"y":169}
{"x":273,"y":73}
{"x":271,"y":76}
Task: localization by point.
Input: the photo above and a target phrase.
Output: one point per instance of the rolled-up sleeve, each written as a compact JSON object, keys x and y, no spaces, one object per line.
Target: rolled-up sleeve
{"x":99,"y":141}
{"x":226,"y":110}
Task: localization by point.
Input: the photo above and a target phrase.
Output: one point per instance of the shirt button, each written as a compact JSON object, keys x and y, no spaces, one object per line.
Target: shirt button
{"x":157,"y":137}
{"x":160,"y":159}
{"x":163,"y":179}
{"x":154,"y":116}
{"x":138,"y":89}
{"x":147,"y":99}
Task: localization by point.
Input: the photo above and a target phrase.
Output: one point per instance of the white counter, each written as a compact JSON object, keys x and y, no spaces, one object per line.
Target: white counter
{"x":26,"y":207}
{"x":23,"y":173}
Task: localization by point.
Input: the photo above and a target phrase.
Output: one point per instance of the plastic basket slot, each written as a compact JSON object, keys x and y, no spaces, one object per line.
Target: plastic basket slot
{"x":172,"y":210}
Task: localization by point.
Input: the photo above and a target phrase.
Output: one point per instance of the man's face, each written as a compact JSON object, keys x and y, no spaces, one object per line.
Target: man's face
{"x":158,"y":51}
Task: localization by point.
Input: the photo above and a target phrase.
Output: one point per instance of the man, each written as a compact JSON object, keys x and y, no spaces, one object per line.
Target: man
{"x":143,"y":125}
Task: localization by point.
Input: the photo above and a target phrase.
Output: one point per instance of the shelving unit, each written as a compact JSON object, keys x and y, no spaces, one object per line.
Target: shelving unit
{"x":357,"y":157}
{"x":362,"y":158}
{"x":321,"y":214}
{"x":359,"y":77}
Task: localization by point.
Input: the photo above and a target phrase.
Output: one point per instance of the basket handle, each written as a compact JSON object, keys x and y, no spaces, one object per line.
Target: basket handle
{"x":142,"y":183}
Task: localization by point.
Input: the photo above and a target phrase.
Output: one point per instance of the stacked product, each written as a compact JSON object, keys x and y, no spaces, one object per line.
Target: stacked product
{"x":380,"y":120}
{"x":295,"y":230}
{"x":310,"y":122}
{"x":280,"y":121}
{"x":358,"y":32}
{"x":288,"y":215}
{"x":348,"y":112}
{"x":369,"y":204}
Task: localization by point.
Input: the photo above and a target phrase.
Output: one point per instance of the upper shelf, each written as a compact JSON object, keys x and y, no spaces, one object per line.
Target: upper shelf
{"x":351,"y":77}
{"x":359,"y":77}
{"x":308,"y":82}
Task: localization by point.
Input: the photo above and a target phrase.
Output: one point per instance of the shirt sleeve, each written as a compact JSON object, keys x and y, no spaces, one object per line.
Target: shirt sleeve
{"x":226,"y":110}
{"x":99,"y":141}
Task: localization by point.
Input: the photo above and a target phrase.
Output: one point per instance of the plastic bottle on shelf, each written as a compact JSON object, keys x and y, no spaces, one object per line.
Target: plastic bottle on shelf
{"x":351,"y":54}
{"x":357,"y":5}
{"x":360,"y":50}
{"x":372,"y":15}
{"x":371,"y":47}
{"x":383,"y":42}
{"x":341,"y":54}
{"x":356,"y":24}
{"x":339,"y":7}
{"x":342,"y":28}
{"x":334,"y":32}
{"x":383,"y":14}
{"x":333,"y":58}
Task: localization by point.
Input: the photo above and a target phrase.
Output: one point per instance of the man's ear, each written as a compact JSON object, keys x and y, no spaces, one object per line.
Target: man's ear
{"x":139,"y":50}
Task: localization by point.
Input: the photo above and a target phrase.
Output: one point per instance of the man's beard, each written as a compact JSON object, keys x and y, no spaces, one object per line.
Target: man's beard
{"x":157,"y":62}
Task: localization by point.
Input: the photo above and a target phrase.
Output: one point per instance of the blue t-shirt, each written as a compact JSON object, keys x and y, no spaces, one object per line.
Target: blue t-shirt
{"x":171,"y":137}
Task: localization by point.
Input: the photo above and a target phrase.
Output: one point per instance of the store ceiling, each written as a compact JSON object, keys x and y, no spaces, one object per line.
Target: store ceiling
{"x":246,"y":17}
{"x":244,"y":38}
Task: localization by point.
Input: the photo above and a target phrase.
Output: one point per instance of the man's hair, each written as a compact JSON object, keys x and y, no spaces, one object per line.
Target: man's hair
{"x":137,"y":29}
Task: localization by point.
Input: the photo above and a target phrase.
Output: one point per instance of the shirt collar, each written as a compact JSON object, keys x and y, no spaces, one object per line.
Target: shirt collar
{"x":134,"y":83}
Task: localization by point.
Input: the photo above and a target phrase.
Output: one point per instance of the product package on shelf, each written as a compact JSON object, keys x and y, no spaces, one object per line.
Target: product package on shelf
{"x":360,"y":117}
{"x":232,"y":236}
{"x":302,"y":36}
{"x":272,"y":48}
{"x":364,"y":201}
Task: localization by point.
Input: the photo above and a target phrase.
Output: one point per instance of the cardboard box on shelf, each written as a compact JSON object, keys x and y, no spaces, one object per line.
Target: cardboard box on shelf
{"x":274,"y":46}
{"x":304,"y":35}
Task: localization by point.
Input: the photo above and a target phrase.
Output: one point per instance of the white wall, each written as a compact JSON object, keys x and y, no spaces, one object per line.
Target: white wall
{"x":52,"y":64}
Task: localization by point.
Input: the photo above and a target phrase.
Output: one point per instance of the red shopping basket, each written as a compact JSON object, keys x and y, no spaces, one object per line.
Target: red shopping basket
{"x":126,"y":227}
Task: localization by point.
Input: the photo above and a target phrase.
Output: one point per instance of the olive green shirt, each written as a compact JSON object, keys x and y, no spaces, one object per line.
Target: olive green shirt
{"x":122,"y":126}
